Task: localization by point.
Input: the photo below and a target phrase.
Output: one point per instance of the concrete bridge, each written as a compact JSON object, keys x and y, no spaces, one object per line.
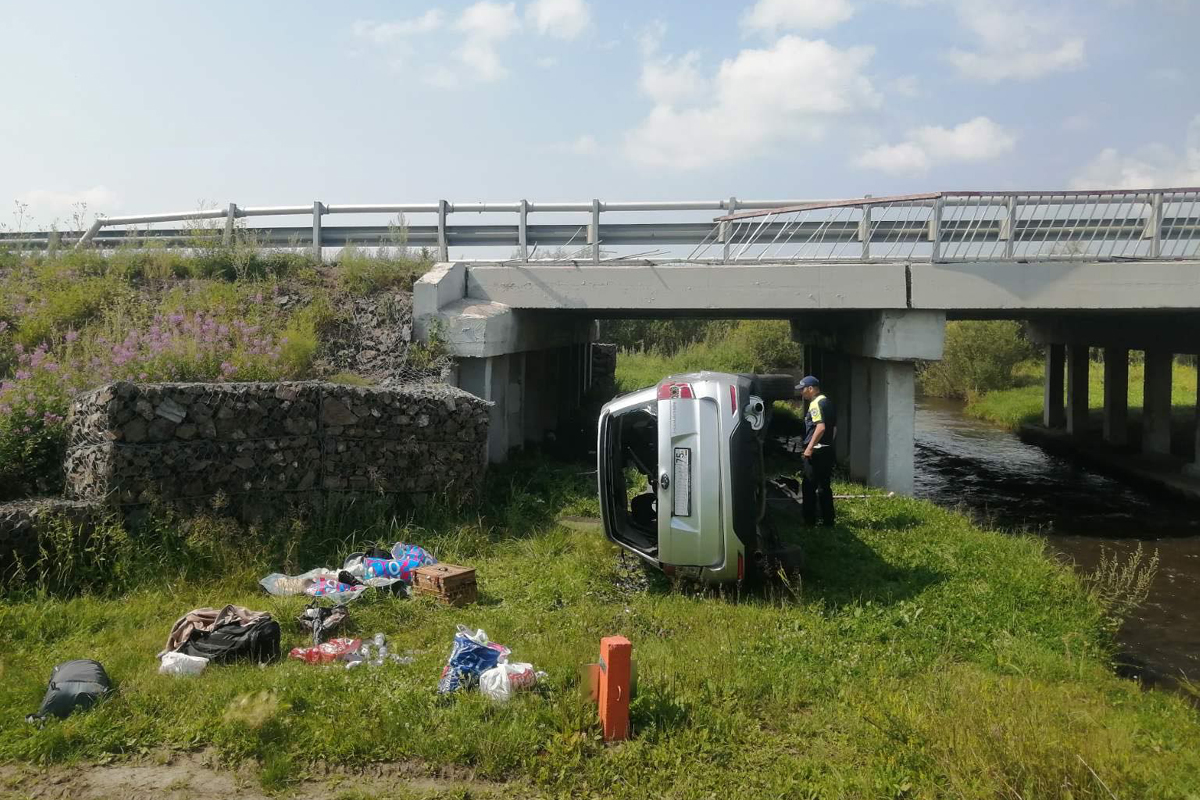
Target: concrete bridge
{"x":1115,"y":270}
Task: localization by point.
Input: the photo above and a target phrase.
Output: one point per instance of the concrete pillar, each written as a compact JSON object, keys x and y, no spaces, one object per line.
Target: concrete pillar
{"x":1156,"y":404}
{"x":1052,"y":406}
{"x":514,"y":401}
{"x":488,"y":378}
{"x":1077,"y":389}
{"x":837,"y":386}
{"x":859,"y":409}
{"x":1116,"y":396}
{"x":535,"y":379}
{"x":893,"y":418}
{"x":1193,"y":469}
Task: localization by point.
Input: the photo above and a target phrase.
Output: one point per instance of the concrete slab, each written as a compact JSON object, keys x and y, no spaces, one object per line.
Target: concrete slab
{"x":674,"y":288}
{"x":474,"y":329}
{"x":1057,"y":285}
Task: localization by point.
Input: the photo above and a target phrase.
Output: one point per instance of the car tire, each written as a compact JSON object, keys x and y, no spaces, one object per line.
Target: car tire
{"x":775,"y":387}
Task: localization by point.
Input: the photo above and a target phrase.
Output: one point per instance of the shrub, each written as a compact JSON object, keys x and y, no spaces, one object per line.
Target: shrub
{"x":766,"y":345}
{"x":664,"y":336}
{"x":359,"y":272}
{"x":979,"y":357}
{"x":32,"y":432}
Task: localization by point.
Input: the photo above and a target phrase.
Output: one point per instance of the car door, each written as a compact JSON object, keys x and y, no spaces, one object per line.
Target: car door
{"x":689,"y":488}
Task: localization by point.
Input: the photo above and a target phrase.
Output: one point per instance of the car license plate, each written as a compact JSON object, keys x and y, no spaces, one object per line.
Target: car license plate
{"x":683,"y":482}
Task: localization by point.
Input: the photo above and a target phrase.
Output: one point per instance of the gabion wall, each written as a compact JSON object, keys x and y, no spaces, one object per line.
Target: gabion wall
{"x":133,"y":444}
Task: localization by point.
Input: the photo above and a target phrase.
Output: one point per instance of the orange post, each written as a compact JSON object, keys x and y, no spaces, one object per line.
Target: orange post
{"x":616,"y":656}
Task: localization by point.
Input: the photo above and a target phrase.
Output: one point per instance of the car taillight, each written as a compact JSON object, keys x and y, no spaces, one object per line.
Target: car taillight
{"x":675,"y":391}
{"x":733,"y":399}
{"x":741,"y":566}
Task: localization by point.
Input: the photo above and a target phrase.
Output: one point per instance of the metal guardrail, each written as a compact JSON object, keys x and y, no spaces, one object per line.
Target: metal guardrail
{"x":938,"y":226}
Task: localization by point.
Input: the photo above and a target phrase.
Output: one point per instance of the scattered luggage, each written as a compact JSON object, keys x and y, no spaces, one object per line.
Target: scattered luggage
{"x":74,"y":686}
{"x":470,"y":656}
{"x":233,"y":641}
{"x":181,"y":664}
{"x":450,"y":583}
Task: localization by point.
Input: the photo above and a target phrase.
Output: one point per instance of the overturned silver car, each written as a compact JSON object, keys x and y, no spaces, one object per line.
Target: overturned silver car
{"x":681,"y":475}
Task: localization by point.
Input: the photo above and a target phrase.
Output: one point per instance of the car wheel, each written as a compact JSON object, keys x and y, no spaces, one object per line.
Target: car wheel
{"x":776,"y":387}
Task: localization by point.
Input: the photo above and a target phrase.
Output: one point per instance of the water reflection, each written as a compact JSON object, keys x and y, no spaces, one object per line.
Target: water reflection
{"x":991,"y":473}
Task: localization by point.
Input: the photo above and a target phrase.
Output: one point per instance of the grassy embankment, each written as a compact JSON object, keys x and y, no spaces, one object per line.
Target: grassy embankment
{"x":916,"y":656}
{"x":1024,"y":403}
{"x":76,"y":320}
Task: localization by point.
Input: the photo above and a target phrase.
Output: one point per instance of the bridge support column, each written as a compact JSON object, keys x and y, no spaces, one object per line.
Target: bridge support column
{"x":1052,"y":406}
{"x":532,"y":366}
{"x":893,"y":418}
{"x":1116,"y":396}
{"x":1156,"y":404}
{"x":1193,"y":469}
{"x":870,"y":368}
{"x":1077,"y":389}
{"x":860,"y":412}
{"x":837,"y":368}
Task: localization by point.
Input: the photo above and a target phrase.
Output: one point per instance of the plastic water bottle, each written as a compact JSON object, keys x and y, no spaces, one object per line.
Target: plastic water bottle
{"x":380,"y":641}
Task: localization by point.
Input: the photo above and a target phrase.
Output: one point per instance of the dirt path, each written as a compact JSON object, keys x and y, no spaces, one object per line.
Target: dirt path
{"x":196,"y":777}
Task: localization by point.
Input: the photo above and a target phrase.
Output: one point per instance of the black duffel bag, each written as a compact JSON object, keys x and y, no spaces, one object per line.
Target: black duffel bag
{"x":233,"y":641}
{"x":73,"y":685}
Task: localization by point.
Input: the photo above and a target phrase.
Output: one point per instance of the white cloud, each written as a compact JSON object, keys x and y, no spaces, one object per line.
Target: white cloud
{"x":786,"y":93}
{"x":546,"y":62}
{"x":978,"y":139}
{"x":48,"y":205}
{"x":906,"y":158}
{"x":562,"y":19}
{"x":651,"y":37}
{"x":671,"y":81}
{"x":1153,"y":166}
{"x":387,"y":32}
{"x":773,"y":16}
{"x":585,"y":145}
{"x":1014,"y":43}
{"x":483,"y":25}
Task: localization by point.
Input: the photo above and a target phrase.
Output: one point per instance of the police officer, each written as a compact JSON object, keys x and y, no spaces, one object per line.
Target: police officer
{"x":820,"y":430}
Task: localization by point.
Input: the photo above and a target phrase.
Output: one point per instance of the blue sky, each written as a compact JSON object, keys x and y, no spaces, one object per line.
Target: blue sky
{"x":142,"y":107}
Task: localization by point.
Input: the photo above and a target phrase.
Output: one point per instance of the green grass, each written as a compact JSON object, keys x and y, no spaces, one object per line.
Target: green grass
{"x":917,"y":656}
{"x":1024,"y":403}
{"x":747,"y":346}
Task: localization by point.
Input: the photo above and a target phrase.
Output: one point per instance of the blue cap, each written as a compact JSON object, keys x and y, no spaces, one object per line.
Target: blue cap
{"x":806,"y":381}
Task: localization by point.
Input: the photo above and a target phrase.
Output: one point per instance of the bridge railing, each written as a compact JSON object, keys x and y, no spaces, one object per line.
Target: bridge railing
{"x":937,"y":226}
{"x":972,"y":226}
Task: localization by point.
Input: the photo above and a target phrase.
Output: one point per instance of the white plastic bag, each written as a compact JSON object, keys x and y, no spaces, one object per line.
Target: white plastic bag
{"x":181,"y":664}
{"x":502,"y":680}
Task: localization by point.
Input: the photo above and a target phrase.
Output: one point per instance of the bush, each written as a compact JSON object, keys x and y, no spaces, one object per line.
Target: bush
{"x":979,"y":357}
{"x":765,"y":345}
{"x":664,"y":336}
{"x":362,"y":273}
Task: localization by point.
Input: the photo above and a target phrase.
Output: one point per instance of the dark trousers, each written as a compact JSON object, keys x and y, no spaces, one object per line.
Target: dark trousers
{"x":815,"y":490}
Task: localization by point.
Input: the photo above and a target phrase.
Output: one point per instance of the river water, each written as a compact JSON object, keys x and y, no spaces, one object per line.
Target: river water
{"x":990,"y":473}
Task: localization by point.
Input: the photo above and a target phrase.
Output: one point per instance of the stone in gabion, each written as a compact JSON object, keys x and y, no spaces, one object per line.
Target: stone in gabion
{"x":136,"y":444}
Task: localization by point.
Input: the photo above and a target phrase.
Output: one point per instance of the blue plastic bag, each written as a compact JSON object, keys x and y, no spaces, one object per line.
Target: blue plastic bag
{"x":471,"y":656}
